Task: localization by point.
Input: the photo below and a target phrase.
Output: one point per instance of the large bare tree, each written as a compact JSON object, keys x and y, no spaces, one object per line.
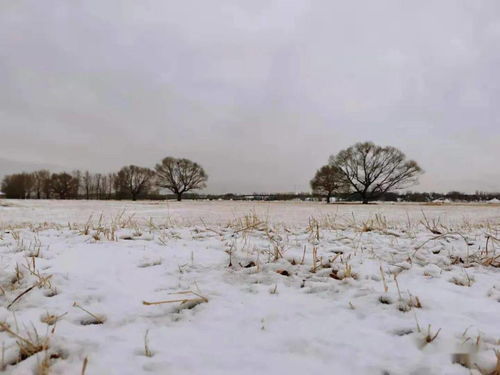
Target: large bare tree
{"x":328,"y":180}
{"x":180,"y":176}
{"x":134,"y":181}
{"x":373,"y":170}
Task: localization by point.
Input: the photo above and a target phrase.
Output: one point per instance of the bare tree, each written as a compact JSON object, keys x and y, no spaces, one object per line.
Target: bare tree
{"x":40,"y":181}
{"x":11,"y":186}
{"x":47,"y":187}
{"x":29,"y":184}
{"x":64,"y":185}
{"x":180,"y":176}
{"x":93,"y":185}
{"x":329,"y":180}
{"x":373,"y":170}
{"x":133,"y":181}
{"x":77,"y":178}
{"x":18,"y":186}
{"x":87,"y":184}
{"x":98,"y":184}
{"x":109,"y":185}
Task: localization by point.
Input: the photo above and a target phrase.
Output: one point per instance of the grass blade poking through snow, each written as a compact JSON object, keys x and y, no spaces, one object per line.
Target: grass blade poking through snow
{"x":191,"y":301}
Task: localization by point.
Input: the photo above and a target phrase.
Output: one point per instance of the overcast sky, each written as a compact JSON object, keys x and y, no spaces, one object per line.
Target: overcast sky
{"x":259,"y":92}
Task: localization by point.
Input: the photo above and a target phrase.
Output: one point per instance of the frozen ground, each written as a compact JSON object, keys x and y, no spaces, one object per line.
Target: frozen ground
{"x":267,"y":288}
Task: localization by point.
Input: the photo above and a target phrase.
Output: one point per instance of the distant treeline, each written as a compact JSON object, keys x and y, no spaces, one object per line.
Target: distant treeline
{"x":363,"y":172}
{"x":126,"y":184}
{"x":75,"y":185}
{"x":353,"y":197}
{"x":131,"y":182}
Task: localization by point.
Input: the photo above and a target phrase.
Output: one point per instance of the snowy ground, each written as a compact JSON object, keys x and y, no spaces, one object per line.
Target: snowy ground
{"x":274,"y":288}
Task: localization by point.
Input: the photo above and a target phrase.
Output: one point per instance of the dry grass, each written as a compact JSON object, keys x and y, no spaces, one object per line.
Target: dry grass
{"x":147,"y":351}
{"x":28,"y":345}
{"x":94,"y":318}
{"x":84,"y":366}
{"x":41,"y":280}
{"x":276,"y":243}
{"x":188,"y":302}
{"x":430,"y":337}
{"x":51,"y":319}
{"x":249,"y":222}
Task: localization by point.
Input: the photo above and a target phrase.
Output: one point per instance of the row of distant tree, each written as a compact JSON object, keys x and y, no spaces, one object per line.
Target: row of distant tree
{"x":408,"y":196}
{"x":179,"y":176}
{"x":364,"y":171}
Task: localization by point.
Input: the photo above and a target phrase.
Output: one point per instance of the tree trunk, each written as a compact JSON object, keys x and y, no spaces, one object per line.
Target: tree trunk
{"x":328,"y":198}
{"x":364,"y":196}
{"x":179,"y":197}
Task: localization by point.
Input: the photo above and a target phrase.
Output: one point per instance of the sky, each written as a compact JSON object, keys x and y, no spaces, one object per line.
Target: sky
{"x":259,"y":92}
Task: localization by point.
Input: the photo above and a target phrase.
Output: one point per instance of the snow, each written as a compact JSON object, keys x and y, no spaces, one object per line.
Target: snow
{"x":276,"y":309}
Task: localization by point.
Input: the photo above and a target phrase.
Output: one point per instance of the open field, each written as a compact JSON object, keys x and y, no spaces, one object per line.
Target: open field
{"x":244,"y":288}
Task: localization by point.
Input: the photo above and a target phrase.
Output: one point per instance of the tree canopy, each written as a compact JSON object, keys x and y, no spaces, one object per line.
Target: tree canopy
{"x":373,"y":170}
{"x":180,"y":176}
{"x":328,"y":180}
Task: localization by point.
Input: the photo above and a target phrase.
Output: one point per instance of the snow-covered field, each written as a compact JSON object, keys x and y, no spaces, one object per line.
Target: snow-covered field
{"x":248,"y":288}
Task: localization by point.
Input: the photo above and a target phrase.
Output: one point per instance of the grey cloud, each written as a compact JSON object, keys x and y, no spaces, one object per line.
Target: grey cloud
{"x":259,"y":92}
